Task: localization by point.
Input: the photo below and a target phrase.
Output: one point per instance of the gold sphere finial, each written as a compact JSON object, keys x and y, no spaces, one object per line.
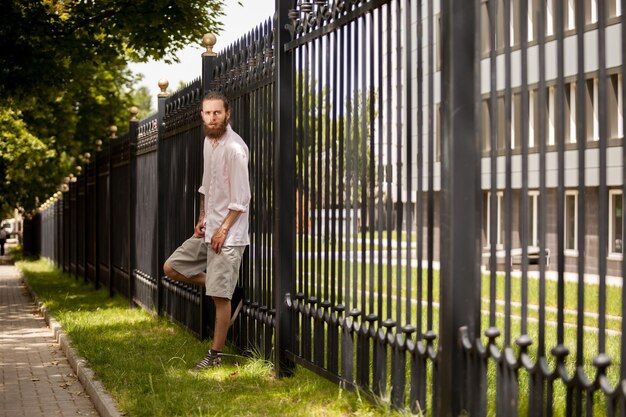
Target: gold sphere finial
{"x":113,"y":130}
{"x":163,"y":84}
{"x":87,"y":157}
{"x":209,"y":40}
{"x":98,"y":145}
{"x":133,"y":113}
{"x":79,"y":169}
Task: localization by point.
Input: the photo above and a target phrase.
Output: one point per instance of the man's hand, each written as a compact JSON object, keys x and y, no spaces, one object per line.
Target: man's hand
{"x":217,"y":241}
{"x":198,"y":231}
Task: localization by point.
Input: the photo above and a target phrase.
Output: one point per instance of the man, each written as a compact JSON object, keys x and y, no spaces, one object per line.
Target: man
{"x":221,"y":234}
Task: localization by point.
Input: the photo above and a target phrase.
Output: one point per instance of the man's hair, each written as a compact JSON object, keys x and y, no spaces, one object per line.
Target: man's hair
{"x":216,"y":95}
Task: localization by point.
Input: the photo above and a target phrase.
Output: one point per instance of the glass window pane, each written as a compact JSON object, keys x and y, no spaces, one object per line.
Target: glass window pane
{"x":570,"y":222}
{"x":616,"y":242}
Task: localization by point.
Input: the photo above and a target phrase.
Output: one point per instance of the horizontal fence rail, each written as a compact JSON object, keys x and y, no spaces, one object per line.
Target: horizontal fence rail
{"x":437,"y":195}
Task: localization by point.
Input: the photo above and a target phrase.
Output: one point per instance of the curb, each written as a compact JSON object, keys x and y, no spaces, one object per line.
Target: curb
{"x":104,"y":403}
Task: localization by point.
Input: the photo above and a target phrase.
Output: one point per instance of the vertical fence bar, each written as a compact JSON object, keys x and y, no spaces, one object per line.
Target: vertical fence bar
{"x":508,"y":143}
{"x":408,"y":116}
{"x":96,"y":215}
{"x":536,"y":384}
{"x":109,"y":204}
{"x":132,"y":203}
{"x":65,"y":225}
{"x":398,"y":358}
{"x":318,"y":325}
{"x":492,"y":202}
{"x":603,"y":196}
{"x":332,"y":103}
{"x":162,"y":199}
{"x":581,"y":142}
{"x":379,"y":370}
{"x":306,"y":144}
{"x":506,"y":402}
{"x":430,"y":238}
{"x":524,"y":133}
{"x":283,"y":242}
{"x":560,"y":141}
{"x":85,"y":217}
{"x":460,"y":227}
{"x":623,"y":269}
{"x":208,"y":69}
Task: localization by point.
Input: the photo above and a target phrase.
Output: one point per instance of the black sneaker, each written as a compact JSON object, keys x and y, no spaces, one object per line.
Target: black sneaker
{"x":236,"y":303}
{"x":210,"y":360}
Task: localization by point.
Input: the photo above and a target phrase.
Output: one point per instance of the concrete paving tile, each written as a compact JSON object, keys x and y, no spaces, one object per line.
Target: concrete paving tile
{"x":33,"y":369}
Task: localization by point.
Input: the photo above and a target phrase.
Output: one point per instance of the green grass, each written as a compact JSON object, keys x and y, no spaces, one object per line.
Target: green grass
{"x":144,"y":361}
{"x":359,"y":278}
{"x":359,"y":271}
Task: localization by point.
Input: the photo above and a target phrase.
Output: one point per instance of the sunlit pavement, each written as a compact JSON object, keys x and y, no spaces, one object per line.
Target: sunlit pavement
{"x":36,"y":377}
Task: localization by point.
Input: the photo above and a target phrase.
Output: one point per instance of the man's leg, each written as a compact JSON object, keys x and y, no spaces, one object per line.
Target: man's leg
{"x":188,"y":262}
{"x":222,"y":322}
{"x":222,"y":274}
{"x":171,"y":273}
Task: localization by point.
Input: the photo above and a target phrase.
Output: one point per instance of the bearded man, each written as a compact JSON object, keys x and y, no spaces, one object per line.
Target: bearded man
{"x":221,"y":234}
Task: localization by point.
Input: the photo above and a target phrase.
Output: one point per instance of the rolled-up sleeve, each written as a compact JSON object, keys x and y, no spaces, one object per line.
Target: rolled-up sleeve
{"x":239,"y":182}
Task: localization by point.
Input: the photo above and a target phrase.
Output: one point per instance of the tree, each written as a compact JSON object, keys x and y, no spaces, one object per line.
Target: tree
{"x":143,"y":100}
{"x":26,"y":165}
{"x":63,"y":70}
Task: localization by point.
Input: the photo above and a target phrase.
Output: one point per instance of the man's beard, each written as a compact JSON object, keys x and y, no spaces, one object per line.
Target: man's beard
{"x":216,"y":132}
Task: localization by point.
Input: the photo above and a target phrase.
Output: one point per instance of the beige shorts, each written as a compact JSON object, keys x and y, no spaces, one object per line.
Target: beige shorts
{"x":222,"y":271}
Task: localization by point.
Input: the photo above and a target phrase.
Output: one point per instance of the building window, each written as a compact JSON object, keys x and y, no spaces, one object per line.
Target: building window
{"x":533,"y":215}
{"x":484,"y":27}
{"x":486,"y":126}
{"x":615,"y":119}
{"x":615,"y":225}
{"x":499,"y":24}
{"x":516,"y":121}
{"x":550,"y":13}
{"x":501,"y":129}
{"x":438,"y":37}
{"x":613,"y":8}
{"x":571,"y":220}
{"x":551,"y":117}
{"x":533,"y":131}
{"x":591,"y":11}
{"x":532,"y":5}
{"x":570,"y":113}
{"x":515,"y":29}
{"x":437,"y":132}
{"x":499,"y":219}
{"x":591,"y":102}
{"x":569,"y":15}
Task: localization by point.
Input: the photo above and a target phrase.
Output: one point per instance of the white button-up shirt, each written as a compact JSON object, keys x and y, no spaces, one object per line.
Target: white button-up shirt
{"x":226,"y":186}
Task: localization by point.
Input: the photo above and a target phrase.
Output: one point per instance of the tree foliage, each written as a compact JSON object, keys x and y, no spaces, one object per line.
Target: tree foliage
{"x":64,"y":77}
{"x":143,"y":100}
{"x":26,"y":164}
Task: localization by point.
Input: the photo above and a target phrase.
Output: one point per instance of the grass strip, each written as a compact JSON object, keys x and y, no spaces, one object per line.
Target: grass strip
{"x":143,"y":361}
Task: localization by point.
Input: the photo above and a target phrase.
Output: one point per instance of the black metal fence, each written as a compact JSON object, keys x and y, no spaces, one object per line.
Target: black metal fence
{"x":437,"y":195}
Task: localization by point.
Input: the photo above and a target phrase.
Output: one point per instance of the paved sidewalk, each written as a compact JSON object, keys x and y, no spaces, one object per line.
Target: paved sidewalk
{"x":36,"y":377}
